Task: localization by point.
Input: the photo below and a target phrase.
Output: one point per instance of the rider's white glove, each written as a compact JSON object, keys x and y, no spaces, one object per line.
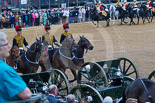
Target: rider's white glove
{"x":27,"y":47}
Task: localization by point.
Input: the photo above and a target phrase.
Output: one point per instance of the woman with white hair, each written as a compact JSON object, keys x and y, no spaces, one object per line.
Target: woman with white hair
{"x":12,"y":86}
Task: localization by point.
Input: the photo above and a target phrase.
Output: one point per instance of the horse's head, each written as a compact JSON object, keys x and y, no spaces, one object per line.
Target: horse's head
{"x":36,"y":46}
{"x":85,"y":43}
{"x":14,"y":52}
{"x":68,"y":42}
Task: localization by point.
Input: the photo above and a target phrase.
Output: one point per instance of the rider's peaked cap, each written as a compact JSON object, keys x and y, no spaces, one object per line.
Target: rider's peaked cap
{"x":66,"y":26}
{"x":47,"y":27}
{"x":18,"y":28}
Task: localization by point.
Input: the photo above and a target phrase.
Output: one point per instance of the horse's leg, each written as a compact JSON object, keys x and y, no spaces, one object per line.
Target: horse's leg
{"x":121,"y":20}
{"x":143,"y":18}
{"x":107,"y":21}
{"x":138,"y":20}
{"x":151,"y":15}
{"x":113,"y":19}
{"x":97,"y":23}
{"x":74,"y":74}
{"x":93,"y":22}
{"x":148,"y":19}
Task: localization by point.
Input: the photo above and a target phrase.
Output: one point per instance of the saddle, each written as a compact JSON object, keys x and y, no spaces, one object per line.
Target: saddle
{"x":55,"y":51}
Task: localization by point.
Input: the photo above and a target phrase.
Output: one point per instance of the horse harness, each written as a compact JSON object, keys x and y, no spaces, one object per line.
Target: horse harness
{"x":36,"y":62}
{"x":149,"y":95}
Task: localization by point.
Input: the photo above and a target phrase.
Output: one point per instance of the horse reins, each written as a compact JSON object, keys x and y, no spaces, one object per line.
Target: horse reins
{"x":66,"y":56}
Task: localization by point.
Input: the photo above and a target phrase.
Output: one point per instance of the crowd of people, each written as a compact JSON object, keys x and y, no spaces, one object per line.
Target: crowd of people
{"x":9,"y":19}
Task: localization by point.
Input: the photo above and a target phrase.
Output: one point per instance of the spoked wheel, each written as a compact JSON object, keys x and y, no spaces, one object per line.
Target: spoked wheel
{"x":84,"y":92}
{"x":59,"y":79}
{"x":128,"y":68}
{"x":92,"y":74}
{"x":152,"y":76}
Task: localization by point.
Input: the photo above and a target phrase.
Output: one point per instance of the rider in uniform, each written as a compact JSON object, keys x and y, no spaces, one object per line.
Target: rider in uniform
{"x":149,"y":6}
{"x":136,"y":7}
{"x":48,"y":39}
{"x":124,"y":6}
{"x":19,"y":39}
{"x":118,"y":3}
{"x":65,"y":33}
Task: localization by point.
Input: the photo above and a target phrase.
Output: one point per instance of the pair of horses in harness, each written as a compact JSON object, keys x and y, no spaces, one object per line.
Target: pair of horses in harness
{"x":28,"y":61}
{"x":70,"y":55}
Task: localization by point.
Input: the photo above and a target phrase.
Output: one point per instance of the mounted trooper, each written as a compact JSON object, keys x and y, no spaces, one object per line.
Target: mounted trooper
{"x":65,"y":33}
{"x":124,"y":5}
{"x":48,"y":39}
{"x":135,"y":9}
{"x":149,"y":6}
{"x":118,"y":3}
{"x":19,"y":40}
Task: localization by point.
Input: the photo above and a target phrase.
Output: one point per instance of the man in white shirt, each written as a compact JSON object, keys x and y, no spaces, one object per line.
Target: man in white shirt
{"x":83,"y":14}
{"x":64,"y":16}
{"x":67,"y":15}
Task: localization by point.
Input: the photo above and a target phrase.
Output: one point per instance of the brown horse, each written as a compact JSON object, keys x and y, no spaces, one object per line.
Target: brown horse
{"x":29,"y":62}
{"x":69,"y":56}
{"x":13,"y":57}
{"x":141,"y":89}
{"x":78,"y":54}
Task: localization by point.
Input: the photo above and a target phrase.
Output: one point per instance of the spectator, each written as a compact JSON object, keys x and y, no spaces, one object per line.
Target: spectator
{"x":7,"y":19}
{"x":75,"y":15}
{"x":1,"y":23}
{"x":12,"y":86}
{"x":67,"y":15}
{"x":70,"y":99}
{"x":107,"y":99}
{"x":41,"y":19}
{"x":44,"y":18}
{"x":80,"y":15}
{"x":70,"y":16}
{"x":20,"y":20}
{"x":33,"y":18}
{"x":64,"y":16}
{"x":52,"y":94}
{"x":12,"y":20}
{"x":17,"y":19}
{"x":37,"y":18}
{"x":83,"y":10}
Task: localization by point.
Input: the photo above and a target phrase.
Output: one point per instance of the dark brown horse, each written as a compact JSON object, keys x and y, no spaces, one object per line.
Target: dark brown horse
{"x":69,"y":56}
{"x":78,"y":53}
{"x":13,"y":57}
{"x":141,"y":89}
{"x":29,"y":62}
